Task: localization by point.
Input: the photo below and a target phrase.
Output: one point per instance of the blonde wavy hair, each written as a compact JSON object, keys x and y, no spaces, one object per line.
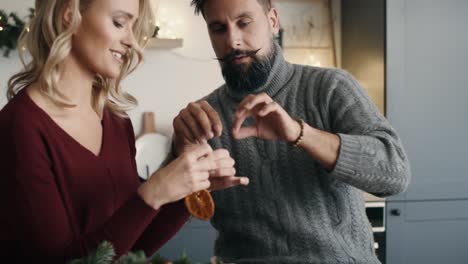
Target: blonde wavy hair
{"x":48,"y":43}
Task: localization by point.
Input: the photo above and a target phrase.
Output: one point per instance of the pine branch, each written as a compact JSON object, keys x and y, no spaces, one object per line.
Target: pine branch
{"x":11,"y":27}
{"x":133,"y":258}
{"x":183,"y":259}
{"x":157,"y":259}
{"x":104,"y":255}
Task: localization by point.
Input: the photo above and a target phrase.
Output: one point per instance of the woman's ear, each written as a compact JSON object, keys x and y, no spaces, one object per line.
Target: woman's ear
{"x":67,"y":14}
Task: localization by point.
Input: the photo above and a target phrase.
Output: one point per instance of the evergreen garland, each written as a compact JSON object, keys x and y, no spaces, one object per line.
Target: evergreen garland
{"x":11,"y":27}
{"x":105,"y":254}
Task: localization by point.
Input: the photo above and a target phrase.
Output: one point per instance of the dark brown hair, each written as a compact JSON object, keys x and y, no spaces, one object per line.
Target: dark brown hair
{"x":199,"y":4}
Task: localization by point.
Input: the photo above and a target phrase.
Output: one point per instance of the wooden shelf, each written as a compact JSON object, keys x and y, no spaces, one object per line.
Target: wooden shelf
{"x":163,"y":43}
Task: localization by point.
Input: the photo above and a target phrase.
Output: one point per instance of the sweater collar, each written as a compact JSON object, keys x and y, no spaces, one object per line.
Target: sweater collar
{"x":281,"y":72}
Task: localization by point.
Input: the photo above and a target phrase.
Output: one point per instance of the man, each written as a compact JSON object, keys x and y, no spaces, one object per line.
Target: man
{"x":309,"y":139}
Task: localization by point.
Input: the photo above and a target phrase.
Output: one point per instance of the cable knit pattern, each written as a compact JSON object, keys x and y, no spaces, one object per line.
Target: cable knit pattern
{"x":293,"y":211}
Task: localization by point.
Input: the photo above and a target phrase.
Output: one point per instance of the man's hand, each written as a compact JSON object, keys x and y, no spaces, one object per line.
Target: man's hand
{"x":272,"y":121}
{"x":195,"y":124}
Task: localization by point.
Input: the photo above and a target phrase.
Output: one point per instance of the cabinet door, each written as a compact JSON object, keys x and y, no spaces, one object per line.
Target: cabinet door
{"x":427,"y":232}
{"x":195,"y":239}
{"x":427,"y":93}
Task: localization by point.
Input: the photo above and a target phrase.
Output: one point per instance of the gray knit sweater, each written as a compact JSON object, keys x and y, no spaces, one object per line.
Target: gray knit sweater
{"x":293,"y":211}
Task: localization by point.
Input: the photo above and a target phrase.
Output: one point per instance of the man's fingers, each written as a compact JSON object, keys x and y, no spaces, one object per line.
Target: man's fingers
{"x":250,"y":102}
{"x":192,"y":126}
{"x":267,"y":109}
{"x":240,"y":117}
{"x":182,"y":130}
{"x":201,"y":119}
{"x":239,"y":120}
{"x":214,"y":118}
{"x":245,"y":132}
{"x":221,"y":183}
{"x":242,"y":112}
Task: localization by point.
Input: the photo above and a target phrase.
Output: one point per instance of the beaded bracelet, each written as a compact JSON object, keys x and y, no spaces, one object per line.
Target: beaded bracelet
{"x":298,"y":141}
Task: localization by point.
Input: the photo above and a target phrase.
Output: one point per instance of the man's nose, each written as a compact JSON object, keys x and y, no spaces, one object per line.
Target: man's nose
{"x":234,"y":39}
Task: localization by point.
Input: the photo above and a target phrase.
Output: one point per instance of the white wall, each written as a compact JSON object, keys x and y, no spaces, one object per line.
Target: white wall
{"x":167,"y":81}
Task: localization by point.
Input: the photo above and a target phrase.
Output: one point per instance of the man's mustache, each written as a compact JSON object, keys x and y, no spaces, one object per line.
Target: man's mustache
{"x":231,"y":55}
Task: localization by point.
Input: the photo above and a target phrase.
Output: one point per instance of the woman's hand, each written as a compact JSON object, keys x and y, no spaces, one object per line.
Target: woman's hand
{"x":224,"y":175}
{"x":190,"y":172}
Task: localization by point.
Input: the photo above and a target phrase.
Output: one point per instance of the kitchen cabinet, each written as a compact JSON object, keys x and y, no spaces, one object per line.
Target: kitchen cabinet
{"x":429,"y":232}
{"x":426,"y":79}
{"x":196,"y":239}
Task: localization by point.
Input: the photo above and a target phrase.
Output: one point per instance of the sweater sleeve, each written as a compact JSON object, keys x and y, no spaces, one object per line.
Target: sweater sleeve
{"x":170,"y":218}
{"x":168,"y":222}
{"x":46,"y":223}
{"x":371,"y":155}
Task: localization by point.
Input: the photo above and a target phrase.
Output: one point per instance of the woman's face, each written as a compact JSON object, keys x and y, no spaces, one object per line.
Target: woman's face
{"x":105,"y":36}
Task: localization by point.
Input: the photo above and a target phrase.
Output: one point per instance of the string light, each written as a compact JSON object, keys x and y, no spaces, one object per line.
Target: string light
{"x":170,"y":24}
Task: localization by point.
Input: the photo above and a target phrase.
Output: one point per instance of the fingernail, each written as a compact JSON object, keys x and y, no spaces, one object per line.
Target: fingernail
{"x":217,"y":128}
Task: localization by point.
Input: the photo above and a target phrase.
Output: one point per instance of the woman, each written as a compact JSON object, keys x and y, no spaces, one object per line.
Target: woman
{"x":68,"y":174}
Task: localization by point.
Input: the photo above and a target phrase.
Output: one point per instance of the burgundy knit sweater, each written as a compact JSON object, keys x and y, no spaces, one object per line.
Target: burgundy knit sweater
{"x":59,"y":201}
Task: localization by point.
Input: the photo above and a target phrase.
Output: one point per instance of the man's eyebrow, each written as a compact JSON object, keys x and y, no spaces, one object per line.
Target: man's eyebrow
{"x":215,"y":23}
{"x":245,"y":14}
{"x":241,"y":15}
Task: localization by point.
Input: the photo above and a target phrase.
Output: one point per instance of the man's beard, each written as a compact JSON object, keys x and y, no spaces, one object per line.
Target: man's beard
{"x":247,"y":77}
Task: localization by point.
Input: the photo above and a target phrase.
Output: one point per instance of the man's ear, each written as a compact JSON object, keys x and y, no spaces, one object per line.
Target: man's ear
{"x":273,"y":18}
{"x":67,"y":13}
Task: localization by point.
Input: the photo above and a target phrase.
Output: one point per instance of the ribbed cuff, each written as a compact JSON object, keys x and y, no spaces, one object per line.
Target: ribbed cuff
{"x":349,"y":157}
